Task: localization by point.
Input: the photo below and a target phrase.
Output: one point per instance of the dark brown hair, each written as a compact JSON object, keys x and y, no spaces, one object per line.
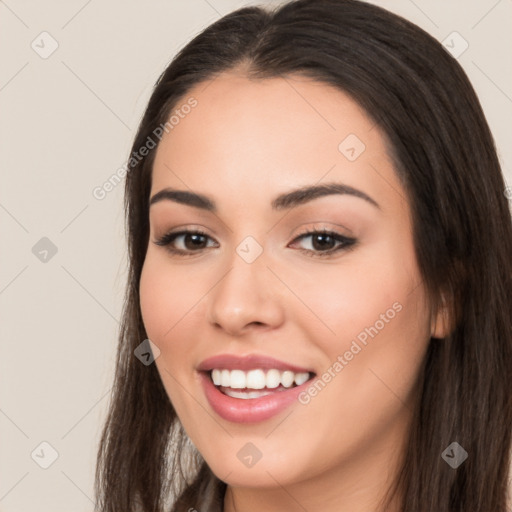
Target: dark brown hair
{"x":444,"y":155}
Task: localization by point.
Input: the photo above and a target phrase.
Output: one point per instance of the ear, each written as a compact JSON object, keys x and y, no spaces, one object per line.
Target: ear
{"x":441,"y":323}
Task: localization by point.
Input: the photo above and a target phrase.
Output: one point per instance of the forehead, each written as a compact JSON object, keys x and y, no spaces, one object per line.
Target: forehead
{"x":246,"y":137}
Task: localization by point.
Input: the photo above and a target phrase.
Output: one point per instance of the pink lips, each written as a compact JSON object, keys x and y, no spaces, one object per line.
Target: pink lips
{"x":249,"y":410}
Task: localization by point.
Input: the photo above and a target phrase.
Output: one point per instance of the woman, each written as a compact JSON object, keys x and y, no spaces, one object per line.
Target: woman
{"x":319,"y":247}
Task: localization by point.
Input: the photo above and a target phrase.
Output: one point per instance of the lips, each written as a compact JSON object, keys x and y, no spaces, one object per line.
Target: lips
{"x":238,"y":401}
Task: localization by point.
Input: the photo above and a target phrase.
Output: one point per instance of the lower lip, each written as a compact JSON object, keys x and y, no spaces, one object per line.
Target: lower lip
{"x":250,"y":410}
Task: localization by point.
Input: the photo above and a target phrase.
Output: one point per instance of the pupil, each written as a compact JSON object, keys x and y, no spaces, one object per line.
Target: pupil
{"x":197,"y":240}
{"x":325,"y":241}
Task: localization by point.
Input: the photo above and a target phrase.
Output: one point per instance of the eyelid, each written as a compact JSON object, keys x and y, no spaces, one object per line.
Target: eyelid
{"x":181,"y":231}
{"x":323,"y":225}
{"x":184,"y":228}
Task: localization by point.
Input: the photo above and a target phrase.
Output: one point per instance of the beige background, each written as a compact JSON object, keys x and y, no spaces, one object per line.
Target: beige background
{"x":66,"y":126}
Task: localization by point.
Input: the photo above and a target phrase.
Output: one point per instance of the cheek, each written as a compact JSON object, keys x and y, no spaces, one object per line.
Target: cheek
{"x":374,"y":301}
{"x":155,"y":303}
{"x":166,"y":299}
{"x":166,"y":296}
{"x":350,"y":298}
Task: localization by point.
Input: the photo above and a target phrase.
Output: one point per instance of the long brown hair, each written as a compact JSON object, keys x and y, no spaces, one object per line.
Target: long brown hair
{"x":445,"y":157}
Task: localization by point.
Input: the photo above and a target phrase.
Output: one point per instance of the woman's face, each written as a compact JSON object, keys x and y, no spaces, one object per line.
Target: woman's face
{"x":284,"y":287}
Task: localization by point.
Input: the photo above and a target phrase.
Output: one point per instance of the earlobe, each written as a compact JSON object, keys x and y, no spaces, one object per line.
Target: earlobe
{"x":441,"y":324}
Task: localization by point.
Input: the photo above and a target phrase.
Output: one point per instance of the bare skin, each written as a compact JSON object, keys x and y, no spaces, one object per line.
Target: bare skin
{"x":245,"y":143}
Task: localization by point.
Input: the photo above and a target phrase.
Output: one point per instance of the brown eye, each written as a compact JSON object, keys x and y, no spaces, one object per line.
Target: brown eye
{"x":324,"y":242}
{"x":194,"y":241}
{"x":321,"y":241}
{"x":185,"y":242}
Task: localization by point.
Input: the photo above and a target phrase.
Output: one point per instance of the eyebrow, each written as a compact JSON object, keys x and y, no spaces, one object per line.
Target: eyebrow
{"x":282,"y":202}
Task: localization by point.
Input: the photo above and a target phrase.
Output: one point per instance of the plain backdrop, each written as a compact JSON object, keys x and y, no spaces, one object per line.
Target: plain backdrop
{"x":66,"y":125}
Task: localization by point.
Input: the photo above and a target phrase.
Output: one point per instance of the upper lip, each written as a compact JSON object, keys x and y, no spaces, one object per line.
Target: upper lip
{"x":248,"y":362}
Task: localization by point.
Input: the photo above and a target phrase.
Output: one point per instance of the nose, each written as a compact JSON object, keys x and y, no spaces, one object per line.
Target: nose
{"x":246,"y":298}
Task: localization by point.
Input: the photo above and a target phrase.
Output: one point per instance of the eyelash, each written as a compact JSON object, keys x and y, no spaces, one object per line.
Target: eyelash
{"x":345,"y":243}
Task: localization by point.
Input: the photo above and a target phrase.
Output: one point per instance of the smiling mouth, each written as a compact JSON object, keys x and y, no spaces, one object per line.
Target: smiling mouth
{"x":256,"y":383}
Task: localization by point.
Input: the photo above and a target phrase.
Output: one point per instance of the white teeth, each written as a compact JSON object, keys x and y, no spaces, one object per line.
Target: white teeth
{"x":273,"y":379}
{"x":238,"y":379}
{"x":217,"y":377}
{"x":300,"y":378}
{"x":287,"y":379}
{"x":256,"y":379}
{"x":225,"y":379}
{"x":244,"y":395}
